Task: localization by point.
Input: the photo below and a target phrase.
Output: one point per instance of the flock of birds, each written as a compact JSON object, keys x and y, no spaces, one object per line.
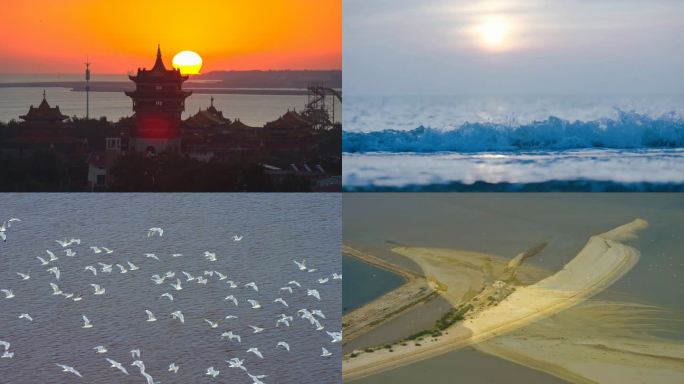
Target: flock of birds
{"x":176,"y":283}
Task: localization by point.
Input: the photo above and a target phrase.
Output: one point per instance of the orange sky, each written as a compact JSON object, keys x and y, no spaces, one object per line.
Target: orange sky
{"x":54,"y":36}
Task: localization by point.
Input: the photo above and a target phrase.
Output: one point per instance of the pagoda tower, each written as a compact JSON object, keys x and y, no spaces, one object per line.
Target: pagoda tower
{"x":158,"y":102}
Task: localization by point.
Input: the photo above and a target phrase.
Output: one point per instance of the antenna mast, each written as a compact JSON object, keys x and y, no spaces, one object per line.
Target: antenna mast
{"x":87,"y":88}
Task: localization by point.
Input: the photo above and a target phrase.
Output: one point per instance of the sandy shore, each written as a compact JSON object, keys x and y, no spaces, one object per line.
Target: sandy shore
{"x":602,"y":261}
{"x":371,"y":315}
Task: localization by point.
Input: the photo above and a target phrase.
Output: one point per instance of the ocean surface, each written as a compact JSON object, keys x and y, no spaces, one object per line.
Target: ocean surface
{"x":507,"y":224}
{"x":375,"y":282}
{"x":276,"y":229}
{"x":251,"y":109}
{"x":551,"y":142}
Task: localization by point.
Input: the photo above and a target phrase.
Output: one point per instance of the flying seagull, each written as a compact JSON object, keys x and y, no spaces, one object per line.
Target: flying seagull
{"x":66,"y":368}
{"x":153,"y":230}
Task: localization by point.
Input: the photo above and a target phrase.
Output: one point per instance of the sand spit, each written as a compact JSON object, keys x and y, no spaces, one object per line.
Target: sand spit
{"x":602,"y":261}
{"x":390,"y":305}
{"x":597,"y":342}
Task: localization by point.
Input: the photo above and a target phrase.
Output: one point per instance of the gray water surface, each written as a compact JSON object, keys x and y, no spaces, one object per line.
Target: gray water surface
{"x":277,"y":229}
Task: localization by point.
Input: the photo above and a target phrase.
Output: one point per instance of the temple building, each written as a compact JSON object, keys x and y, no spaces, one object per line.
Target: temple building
{"x":158,"y":102}
{"x":44,"y":116}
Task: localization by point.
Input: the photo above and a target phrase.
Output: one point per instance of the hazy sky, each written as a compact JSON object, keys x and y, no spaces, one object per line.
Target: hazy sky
{"x":513,"y":46}
{"x":55,"y":36}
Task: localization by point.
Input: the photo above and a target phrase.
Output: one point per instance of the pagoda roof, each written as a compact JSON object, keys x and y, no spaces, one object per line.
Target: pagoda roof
{"x":44,"y":113}
{"x":237,"y":124}
{"x":158,"y":73}
{"x":291,"y":119}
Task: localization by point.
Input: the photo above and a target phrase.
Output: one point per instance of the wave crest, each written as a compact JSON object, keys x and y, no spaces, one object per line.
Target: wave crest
{"x":629,"y":130}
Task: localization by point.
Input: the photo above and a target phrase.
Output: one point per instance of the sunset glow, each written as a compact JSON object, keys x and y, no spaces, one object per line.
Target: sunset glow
{"x":188,"y":62}
{"x":46,"y":36}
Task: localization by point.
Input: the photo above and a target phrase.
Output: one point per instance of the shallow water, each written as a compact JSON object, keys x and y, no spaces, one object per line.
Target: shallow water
{"x":277,"y":228}
{"x":375,"y":282}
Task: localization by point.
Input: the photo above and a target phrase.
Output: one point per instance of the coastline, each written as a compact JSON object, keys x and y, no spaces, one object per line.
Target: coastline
{"x":602,"y":261}
{"x":392,"y":304}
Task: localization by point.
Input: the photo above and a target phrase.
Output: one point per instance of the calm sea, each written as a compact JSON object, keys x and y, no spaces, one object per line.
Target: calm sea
{"x":375,"y":282}
{"x":276,"y":229}
{"x":254,"y":110}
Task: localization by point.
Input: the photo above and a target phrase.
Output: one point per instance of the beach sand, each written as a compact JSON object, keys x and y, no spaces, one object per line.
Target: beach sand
{"x":602,"y":261}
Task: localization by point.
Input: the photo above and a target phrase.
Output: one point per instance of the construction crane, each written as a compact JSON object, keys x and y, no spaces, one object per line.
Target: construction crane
{"x":320,"y":106}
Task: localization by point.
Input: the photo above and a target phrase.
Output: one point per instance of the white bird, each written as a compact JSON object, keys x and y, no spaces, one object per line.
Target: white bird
{"x":314,"y":293}
{"x":7,"y":354}
{"x":255,"y":304}
{"x":151,"y":256}
{"x":209,"y":273}
{"x":336,"y":336}
{"x":64,"y":243}
{"x":169,"y":274}
{"x":55,"y":289}
{"x":117,"y":365}
{"x":284,"y":345}
{"x":253,"y":285}
{"x":300,"y":264}
{"x":337,"y":276}
{"x":213,"y":324}
{"x":176,"y":254}
{"x":237,"y":238}
{"x":4,"y":238}
{"x":54,"y":271}
{"x":69,"y":252}
{"x":86,"y":322}
{"x":153,"y":230}
{"x":256,"y":379}
{"x":325,"y":352}
{"x":91,"y":269}
{"x":100,"y":349}
{"x":256,"y":329}
{"x":136,"y":353}
{"x":294,"y":282}
{"x":158,"y":279}
{"x":211,"y":256}
{"x":26,"y":316}
{"x":177,"y":286}
{"x":9,"y":222}
{"x":8,"y":293}
{"x":75,"y":241}
{"x":231,"y":317}
{"x":212,"y":372}
{"x":122,"y":269}
{"x":107,"y":268}
{"x":96,"y":249}
{"x":178,"y":315}
{"x":281,"y":300}
{"x":173,"y":368}
{"x":283,"y":320}
{"x":201,"y":280}
{"x":167,"y":295}
{"x":150,"y":315}
{"x":66,"y":368}
{"x":108,"y":250}
{"x":231,"y":336}
{"x":318,"y":313}
{"x":312,"y":270}
{"x":289,"y":289}
{"x":42,"y":261}
{"x":232,"y":298}
{"x":231,"y":283}
{"x":52,"y":255}
{"x":98,"y":289}
{"x":132,"y":267}
{"x":220,"y":275}
{"x":236,"y":363}
{"x":322,"y":280}
{"x":255,"y":351}
{"x":5,"y":344}
{"x":188,"y":277}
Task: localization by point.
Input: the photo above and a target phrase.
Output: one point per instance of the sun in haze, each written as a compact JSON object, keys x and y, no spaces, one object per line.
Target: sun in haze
{"x":494,"y":33}
{"x":188,"y":62}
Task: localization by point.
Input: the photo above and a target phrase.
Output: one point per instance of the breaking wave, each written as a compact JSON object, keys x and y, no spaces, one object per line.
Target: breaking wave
{"x":629,"y":130}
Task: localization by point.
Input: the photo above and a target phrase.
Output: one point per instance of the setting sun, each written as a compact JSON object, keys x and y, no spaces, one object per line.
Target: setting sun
{"x":494,"y":33}
{"x":188,"y":62}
